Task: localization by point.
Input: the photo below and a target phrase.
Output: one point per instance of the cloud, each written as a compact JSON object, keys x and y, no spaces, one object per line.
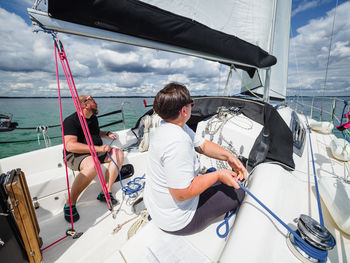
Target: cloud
{"x":309,"y":53}
{"x":27,"y":65}
{"x":304,"y":6}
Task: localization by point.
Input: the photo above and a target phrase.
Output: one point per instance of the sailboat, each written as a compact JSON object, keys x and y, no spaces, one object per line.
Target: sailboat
{"x":297,"y":194}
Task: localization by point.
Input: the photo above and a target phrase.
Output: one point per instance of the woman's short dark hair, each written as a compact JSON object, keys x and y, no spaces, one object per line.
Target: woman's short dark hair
{"x":170,"y":100}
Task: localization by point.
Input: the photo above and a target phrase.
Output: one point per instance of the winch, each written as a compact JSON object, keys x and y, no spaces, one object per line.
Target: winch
{"x":315,"y":235}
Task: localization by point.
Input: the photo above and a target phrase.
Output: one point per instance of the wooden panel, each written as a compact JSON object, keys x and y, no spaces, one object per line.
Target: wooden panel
{"x":25,"y":215}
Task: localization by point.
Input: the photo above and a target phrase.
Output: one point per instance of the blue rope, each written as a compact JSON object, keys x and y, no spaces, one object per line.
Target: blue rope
{"x":314,"y":169}
{"x":302,"y":244}
{"x":312,"y":251}
{"x":133,"y":187}
{"x":225,"y":223}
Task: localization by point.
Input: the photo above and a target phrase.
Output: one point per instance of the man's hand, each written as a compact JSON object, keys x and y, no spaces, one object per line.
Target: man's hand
{"x":103,"y":148}
{"x":238,"y":167}
{"x":112,"y":136}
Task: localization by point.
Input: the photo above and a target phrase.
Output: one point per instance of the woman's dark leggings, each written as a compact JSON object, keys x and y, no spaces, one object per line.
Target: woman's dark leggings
{"x":213,"y":202}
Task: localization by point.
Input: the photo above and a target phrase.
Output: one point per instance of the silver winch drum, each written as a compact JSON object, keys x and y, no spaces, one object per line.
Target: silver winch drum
{"x":314,"y":234}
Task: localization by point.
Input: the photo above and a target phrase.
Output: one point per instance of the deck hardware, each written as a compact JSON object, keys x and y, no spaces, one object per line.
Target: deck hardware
{"x":71,"y":232}
{"x":314,"y":234}
{"x":36,"y":203}
{"x":59,"y":165}
{"x":2,"y":243}
{"x":3,"y":214}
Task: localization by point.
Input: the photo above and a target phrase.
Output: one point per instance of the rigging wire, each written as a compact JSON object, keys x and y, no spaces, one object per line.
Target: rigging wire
{"x":244,"y":84}
{"x":329,"y":54}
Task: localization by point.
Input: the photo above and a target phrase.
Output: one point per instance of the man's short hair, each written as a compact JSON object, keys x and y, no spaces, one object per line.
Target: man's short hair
{"x":170,"y":100}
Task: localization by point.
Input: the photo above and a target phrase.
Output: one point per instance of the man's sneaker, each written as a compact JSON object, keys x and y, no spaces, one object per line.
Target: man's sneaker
{"x":102,"y":198}
{"x":75,"y":214}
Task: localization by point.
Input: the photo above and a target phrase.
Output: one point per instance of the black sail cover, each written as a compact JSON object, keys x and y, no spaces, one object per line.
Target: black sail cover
{"x":139,"y":19}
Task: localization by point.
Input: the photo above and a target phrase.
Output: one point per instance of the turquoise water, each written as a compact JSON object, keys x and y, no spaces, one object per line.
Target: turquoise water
{"x":33,"y":112}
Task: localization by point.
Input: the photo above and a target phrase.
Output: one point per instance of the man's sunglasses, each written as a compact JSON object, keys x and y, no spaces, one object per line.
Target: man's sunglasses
{"x":89,"y":98}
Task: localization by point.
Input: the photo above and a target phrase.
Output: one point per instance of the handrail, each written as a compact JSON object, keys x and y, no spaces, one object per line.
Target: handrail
{"x":58,"y":125}
{"x":333,"y":117}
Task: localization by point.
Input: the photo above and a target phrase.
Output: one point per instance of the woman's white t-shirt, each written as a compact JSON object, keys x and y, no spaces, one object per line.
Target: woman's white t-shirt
{"x":172,"y":163}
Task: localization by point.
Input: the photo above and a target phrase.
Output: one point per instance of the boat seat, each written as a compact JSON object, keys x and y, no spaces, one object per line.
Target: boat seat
{"x":48,"y":181}
{"x":154,"y":244}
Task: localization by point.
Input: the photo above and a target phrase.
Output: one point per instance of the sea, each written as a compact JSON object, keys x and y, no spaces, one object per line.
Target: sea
{"x":36,"y":112}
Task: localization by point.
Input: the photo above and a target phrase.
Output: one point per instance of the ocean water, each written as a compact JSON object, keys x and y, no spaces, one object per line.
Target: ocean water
{"x":33,"y":112}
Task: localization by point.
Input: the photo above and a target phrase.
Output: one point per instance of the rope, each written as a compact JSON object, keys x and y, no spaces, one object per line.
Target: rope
{"x":244,"y":84}
{"x":64,"y":144}
{"x":143,"y":220}
{"x":75,"y":97}
{"x":302,"y":244}
{"x":307,"y":248}
{"x":144,"y":145}
{"x":314,"y":171}
{"x":225,"y":224}
{"x":133,"y":187}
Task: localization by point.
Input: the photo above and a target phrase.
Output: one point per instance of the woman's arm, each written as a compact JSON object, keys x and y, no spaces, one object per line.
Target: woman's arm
{"x":202,"y":182}
{"x":215,"y":151}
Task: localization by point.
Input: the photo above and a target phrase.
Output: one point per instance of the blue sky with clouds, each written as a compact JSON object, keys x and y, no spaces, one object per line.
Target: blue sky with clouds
{"x":105,"y":69}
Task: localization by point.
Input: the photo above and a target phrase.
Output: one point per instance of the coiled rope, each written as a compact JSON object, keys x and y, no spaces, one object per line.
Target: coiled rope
{"x":134,"y":186}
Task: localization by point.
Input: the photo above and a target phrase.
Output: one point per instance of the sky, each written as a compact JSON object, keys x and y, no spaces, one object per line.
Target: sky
{"x":101,"y":68}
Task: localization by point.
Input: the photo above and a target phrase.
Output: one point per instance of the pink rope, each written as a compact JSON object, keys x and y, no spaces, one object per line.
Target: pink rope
{"x":86,"y":131}
{"x":53,"y":243}
{"x":74,"y":93}
{"x":64,"y":144}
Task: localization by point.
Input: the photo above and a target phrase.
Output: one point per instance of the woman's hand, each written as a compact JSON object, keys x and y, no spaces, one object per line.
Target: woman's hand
{"x":238,"y":167}
{"x":229,"y":178}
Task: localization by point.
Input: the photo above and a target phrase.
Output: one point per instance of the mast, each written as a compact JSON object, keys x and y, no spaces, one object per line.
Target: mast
{"x":266,"y":96}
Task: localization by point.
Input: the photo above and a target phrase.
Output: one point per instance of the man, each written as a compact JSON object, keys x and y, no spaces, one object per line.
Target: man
{"x":79,"y":157}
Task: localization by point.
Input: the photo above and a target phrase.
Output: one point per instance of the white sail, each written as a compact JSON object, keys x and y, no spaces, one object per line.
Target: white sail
{"x":248,"y":20}
{"x":277,"y":45}
{"x":260,"y":22}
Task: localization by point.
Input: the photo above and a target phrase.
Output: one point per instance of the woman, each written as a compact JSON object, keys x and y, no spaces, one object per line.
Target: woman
{"x":179,"y":200}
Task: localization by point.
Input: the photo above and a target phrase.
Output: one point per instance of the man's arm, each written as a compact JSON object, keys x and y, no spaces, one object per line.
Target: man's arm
{"x":215,"y":151}
{"x":72,"y":145}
